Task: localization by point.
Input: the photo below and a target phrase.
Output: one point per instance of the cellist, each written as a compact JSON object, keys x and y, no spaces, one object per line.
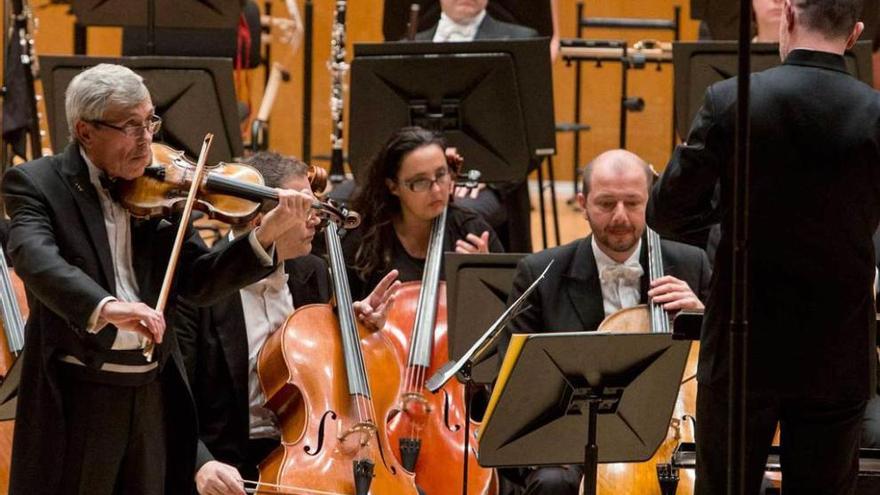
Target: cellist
{"x":220,"y":343}
{"x":409,"y":183}
{"x":595,"y":276}
{"x":94,"y":415}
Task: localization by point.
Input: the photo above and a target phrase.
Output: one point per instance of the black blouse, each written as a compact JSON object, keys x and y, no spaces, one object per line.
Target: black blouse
{"x":459,"y":223}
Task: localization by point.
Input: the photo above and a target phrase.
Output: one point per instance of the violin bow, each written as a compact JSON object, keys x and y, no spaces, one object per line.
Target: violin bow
{"x":199,"y":173}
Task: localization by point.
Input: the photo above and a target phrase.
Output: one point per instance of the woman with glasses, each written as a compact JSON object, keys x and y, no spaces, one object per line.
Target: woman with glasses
{"x":409,"y":184}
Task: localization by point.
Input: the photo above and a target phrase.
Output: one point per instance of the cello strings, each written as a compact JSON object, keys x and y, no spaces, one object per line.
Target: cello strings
{"x":291,"y":489}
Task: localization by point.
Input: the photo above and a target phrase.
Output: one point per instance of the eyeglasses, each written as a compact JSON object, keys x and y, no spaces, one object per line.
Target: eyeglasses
{"x":421,"y":185}
{"x":133,"y":130}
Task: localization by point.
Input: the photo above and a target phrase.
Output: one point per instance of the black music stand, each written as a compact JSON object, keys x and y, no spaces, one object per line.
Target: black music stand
{"x":493,"y":100}
{"x":698,"y":65}
{"x":150,"y":15}
{"x":192,"y":95}
{"x":558,"y":392}
{"x":534,"y":14}
{"x":477,"y":288}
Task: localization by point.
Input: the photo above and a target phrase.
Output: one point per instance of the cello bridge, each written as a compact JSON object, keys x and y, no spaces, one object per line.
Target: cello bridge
{"x":364,"y":431}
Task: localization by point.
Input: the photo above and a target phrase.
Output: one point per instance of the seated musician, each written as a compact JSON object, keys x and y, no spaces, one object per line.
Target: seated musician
{"x":598,"y":275}
{"x":505,"y":206}
{"x":467,"y":20}
{"x":409,"y":185}
{"x":221,"y":343}
{"x":94,"y":274}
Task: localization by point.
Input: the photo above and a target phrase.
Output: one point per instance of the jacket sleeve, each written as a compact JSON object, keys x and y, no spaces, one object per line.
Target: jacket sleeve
{"x":64,"y":288}
{"x":681,"y":203}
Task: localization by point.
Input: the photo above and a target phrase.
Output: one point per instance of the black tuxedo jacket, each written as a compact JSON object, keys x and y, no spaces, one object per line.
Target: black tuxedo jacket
{"x":58,"y":241}
{"x":814,"y":205}
{"x":569,"y":299}
{"x":490,"y":29}
{"x":215,"y":349}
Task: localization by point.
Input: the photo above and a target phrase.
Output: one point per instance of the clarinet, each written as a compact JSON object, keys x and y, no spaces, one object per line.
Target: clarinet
{"x":22,"y":47}
{"x":338,"y":68}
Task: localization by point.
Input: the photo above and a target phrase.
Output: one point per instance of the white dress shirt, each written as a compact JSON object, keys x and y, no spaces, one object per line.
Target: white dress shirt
{"x":620,"y":282}
{"x":266,"y":305}
{"x":449,"y":30}
{"x":118,"y":224}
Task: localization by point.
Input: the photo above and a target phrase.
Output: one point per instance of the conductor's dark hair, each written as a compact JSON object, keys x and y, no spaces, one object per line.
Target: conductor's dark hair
{"x":833,"y":18}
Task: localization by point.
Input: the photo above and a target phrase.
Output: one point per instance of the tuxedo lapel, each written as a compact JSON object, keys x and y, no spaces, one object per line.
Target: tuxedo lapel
{"x":229,"y":324}
{"x":488,"y":29}
{"x":582,"y":287}
{"x":299,"y":281}
{"x":76,"y":175}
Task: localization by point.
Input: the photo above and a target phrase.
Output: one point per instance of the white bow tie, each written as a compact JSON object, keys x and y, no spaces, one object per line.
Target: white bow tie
{"x":451,"y":31}
{"x":616,"y":273}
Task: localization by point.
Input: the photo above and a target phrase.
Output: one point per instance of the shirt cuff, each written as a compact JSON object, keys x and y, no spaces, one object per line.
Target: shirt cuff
{"x":95,"y":323}
{"x":267,"y":258}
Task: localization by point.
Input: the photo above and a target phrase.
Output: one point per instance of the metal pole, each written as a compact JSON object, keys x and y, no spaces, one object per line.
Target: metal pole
{"x":739,"y":295}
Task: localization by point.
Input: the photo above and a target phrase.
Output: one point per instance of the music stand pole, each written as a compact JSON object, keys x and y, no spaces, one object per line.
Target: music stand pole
{"x":465,"y":373}
{"x":309,"y":26}
{"x":151,"y":27}
{"x":739,"y":328}
{"x":591,"y":450}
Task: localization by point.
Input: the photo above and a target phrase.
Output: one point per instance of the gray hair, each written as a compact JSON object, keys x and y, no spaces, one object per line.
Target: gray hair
{"x":93,"y":91}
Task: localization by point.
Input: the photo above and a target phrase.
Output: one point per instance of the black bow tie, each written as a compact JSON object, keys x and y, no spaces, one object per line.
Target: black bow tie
{"x":107,"y":182}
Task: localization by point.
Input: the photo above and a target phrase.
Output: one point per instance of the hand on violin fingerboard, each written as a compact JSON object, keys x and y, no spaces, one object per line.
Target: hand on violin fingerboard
{"x":292,"y":209}
{"x":373,"y":311}
{"x":473,"y":244}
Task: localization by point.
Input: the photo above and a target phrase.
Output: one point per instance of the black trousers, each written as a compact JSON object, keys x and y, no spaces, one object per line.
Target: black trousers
{"x":871,"y":424}
{"x":550,"y":480}
{"x":819,"y":442}
{"x":116,"y":441}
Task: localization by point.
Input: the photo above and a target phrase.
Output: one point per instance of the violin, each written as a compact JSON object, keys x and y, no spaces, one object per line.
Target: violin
{"x":233,"y":193}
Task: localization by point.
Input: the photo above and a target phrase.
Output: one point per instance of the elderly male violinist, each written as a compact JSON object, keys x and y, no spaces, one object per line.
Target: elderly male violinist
{"x":94,"y":414}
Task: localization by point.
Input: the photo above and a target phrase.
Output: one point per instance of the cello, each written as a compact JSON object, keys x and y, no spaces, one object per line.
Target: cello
{"x":427,"y":431}
{"x":14,"y":309}
{"x":316,"y":373}
{"x":653,"y":475}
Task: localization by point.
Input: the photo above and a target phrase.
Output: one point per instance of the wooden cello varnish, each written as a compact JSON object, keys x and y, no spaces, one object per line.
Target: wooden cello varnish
{"x":331,"y":383}
{"x":642,"y":477}
{"x":14,"y":310}
{"x":427,"y":430}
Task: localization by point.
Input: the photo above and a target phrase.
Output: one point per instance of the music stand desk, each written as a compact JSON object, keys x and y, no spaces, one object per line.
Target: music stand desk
{"x":557,"y":392}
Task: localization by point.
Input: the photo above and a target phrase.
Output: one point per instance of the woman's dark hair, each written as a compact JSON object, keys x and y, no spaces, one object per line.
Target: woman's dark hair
{"x":375,"y":202}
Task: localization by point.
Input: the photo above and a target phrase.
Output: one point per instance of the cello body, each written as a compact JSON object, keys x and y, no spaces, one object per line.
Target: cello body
{"x":436,"y":418}
{"x":645,"y":477}
{"x":302,"y":373}
{"x":642,"y":477}
{"x":7,"y":359}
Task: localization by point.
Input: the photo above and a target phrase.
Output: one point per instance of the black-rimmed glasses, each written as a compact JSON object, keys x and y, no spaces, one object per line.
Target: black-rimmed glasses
{"x":133,"y":130}
{"x":421,"y":185}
